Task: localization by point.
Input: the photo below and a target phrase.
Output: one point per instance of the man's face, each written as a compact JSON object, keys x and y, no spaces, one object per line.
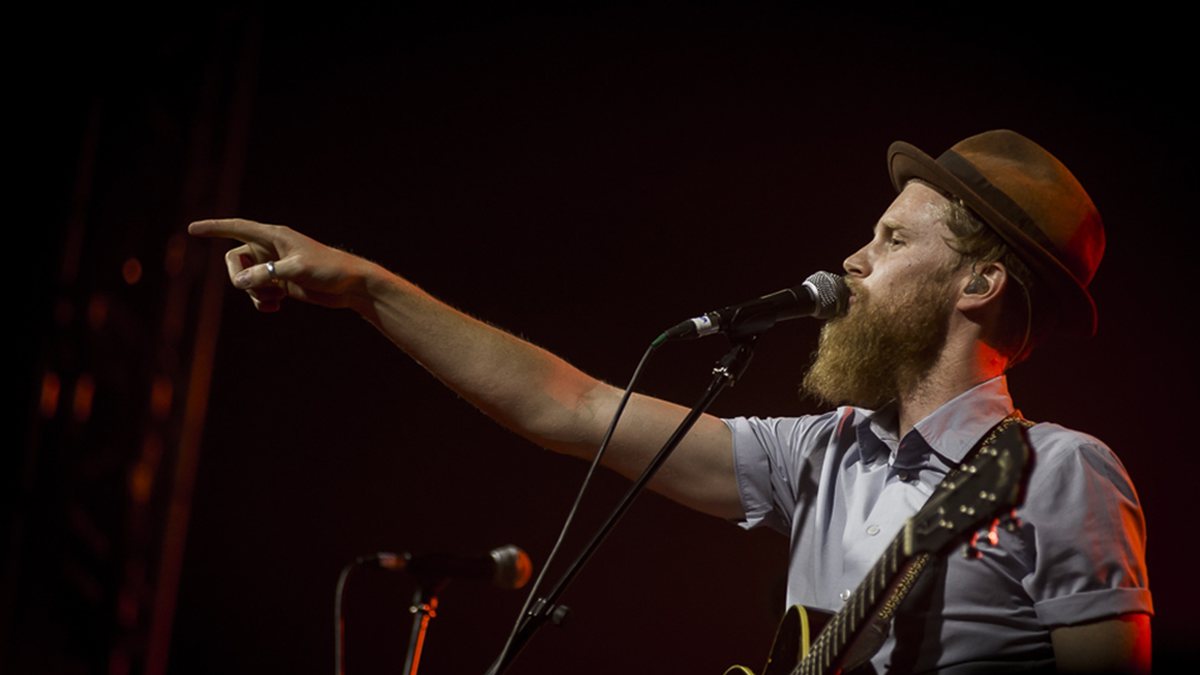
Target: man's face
{"x":903,"y":287}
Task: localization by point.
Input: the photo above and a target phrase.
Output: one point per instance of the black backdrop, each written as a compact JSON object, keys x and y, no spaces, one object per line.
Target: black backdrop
{"x":585,"y":180}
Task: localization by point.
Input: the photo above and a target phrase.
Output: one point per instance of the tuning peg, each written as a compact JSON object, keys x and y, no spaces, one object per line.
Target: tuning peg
{"x":992,"y":536}
{"x":1012,"y":523}
{"x":972,"y":552}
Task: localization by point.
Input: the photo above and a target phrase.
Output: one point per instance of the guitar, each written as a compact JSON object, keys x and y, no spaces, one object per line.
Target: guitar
{"x":988,"y":484}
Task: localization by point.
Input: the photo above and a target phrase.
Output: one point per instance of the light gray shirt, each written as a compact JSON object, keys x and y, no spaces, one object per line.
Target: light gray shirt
{"x":842,"y":484}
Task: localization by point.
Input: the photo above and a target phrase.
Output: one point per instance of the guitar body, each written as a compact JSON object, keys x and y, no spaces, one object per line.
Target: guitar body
{"x":793,"y":638}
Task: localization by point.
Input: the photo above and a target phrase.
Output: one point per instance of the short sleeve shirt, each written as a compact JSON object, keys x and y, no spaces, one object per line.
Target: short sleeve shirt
{"x":842,"y":484}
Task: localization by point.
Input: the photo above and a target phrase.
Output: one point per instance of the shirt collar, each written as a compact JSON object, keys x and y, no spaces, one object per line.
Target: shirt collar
{"x":951,"y":430}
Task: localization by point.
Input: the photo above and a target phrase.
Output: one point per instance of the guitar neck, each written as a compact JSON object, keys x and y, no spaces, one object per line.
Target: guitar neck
{"x":876,"y":598}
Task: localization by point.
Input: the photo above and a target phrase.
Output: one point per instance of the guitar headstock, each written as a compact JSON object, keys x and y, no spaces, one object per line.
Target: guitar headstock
{"x":987,"y":485}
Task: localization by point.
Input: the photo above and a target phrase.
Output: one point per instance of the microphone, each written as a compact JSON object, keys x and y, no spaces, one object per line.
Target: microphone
{"x":507,"y":567}
{"x":822,"y":296}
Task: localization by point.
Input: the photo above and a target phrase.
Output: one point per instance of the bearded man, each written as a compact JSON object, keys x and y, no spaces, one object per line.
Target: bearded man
{"x":986,"y":252}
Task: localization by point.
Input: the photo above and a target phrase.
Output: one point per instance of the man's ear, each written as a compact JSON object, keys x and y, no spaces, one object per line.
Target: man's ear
{"x":983,"y":286}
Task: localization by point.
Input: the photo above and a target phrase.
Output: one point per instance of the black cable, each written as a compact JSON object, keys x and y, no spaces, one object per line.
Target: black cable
{"x":637,"y":373}
{"x":339,"y":620}
{"x":339,"y":625}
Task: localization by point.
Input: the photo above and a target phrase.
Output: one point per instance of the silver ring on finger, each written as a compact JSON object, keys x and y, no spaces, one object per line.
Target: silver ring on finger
{"x":271,"y":273}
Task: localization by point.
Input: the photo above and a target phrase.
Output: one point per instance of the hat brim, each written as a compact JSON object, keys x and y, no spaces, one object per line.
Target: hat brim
{"x":1076,"y":310}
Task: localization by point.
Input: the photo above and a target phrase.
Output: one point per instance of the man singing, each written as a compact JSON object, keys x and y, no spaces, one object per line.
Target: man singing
{"x":986,"y":253}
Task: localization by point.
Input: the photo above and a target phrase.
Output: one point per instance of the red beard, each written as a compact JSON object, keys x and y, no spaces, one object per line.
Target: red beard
{"x":880,"y":348}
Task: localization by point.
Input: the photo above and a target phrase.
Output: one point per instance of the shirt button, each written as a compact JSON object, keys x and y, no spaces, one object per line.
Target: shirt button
{"x":905,"y":476}
{"x":844,"y":595}
{"x":873,"y":530}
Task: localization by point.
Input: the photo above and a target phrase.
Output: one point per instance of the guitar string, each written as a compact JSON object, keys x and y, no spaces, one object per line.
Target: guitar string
{"x":884,"y":568}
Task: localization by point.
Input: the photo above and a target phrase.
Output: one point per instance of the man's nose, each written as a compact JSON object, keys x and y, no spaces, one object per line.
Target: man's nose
{"x":857,"y":265}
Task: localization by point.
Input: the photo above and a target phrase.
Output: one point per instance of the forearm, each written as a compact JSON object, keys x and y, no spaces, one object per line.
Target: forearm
{"x":547,"y":400}
{"x":1118,"y":645}
{"x":520,"y":385}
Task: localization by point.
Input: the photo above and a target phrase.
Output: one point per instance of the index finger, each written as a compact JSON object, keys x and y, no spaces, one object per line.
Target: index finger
{"x":246,"y":231}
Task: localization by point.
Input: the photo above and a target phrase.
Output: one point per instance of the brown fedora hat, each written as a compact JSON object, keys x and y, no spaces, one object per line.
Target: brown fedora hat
{"x":1032,"y":201}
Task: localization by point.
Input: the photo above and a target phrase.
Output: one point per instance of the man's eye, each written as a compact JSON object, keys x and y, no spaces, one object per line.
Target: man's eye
{"x":895,"y":241}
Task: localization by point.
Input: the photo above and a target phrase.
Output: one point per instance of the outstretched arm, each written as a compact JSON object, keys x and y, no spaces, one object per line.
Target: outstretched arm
{"x":522,"y":386}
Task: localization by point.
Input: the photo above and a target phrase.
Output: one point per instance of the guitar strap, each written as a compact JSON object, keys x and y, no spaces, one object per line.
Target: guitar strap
{"x":984,"y":441}
{"x":987,"y":439}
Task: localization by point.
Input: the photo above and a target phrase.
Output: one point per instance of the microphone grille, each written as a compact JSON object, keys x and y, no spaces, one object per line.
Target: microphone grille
{"x":832,"y":294}
{"x":513,"y":567}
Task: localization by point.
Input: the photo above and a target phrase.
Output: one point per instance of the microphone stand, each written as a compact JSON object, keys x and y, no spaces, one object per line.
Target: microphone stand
{"x":727,"y":371}
{"x":423,"y":608}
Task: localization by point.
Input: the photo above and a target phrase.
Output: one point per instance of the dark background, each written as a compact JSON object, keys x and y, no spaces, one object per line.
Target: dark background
{"x":583,"y":179}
